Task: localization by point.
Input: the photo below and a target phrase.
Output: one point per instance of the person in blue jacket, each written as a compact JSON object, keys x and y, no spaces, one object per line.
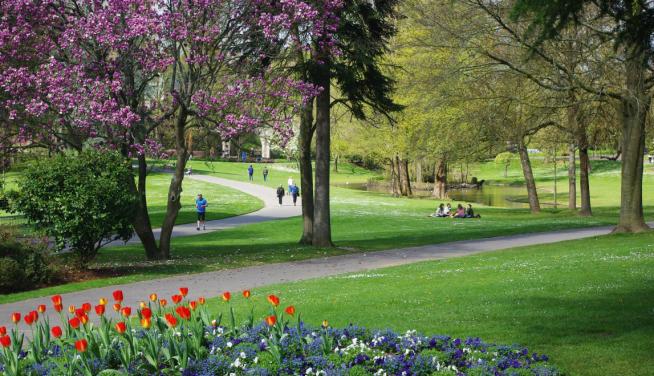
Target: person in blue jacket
{"x":295,"y":192}
{"x":201,"y":208}
{"x":251,"y":173}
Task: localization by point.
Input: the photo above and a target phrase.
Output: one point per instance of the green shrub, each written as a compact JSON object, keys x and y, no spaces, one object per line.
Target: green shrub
{"x":81,"y":201}
{"x":24,"y":265}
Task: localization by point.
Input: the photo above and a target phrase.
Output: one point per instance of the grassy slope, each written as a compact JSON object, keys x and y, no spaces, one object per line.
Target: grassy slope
{"x":587,"y":304}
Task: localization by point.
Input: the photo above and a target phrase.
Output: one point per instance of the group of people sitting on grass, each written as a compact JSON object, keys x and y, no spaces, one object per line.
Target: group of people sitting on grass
{"x":445,"y":211}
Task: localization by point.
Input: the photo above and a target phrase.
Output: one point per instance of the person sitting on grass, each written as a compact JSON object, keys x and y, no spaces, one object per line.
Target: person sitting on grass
{"x":440,"y":212}
{"x":471,"y":213}
{"x":460,"y":212}
{"x":448,"y":210}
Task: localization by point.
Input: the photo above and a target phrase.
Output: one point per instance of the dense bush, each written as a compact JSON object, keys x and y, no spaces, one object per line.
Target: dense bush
{"x":182,"y":338}
{"x":24,"y":265}
{"x":81,"y":201}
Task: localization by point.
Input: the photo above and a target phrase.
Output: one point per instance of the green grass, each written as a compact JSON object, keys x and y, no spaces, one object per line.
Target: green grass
{"x":223,"y":201}
{"x":588,"y":303}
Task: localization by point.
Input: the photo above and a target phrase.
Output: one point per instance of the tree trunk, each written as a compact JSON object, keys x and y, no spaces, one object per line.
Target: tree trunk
{"x":336,"y":163}
{"x":440,"y":180}
{"x":396,"y":189}
{"x":306,"y":171}
{"x":418,"y":171}
{"x":399,"y":168}
{"x":322,"y":231}
{"x":141,"y":220}
{"x":584,"y":172}
{"x":175,"y":188}
{"x":635,"y":107}
{"x":572,"y":177}
{"x":532,"y":194}
{"x":406,"y":178}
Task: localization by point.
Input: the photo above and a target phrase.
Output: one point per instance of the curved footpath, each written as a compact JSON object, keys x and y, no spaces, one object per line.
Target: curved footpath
{"x":211,"y":284}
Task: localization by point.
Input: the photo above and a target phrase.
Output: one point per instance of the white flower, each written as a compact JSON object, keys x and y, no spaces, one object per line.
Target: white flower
{"x":229,"y":345}
{"x":243,"y":356}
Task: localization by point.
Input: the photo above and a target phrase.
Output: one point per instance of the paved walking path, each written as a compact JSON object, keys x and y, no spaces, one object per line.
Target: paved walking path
{"x":271,"y":209}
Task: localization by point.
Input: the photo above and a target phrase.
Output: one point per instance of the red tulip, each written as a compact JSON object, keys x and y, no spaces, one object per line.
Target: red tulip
{"x":193,"y":305}
{"x":183,"y":291}
{"x":117,"y":307}
{"x":246,"y":294}
{"x":5,"y":341}
{"x":80,"y":312}
{"x":118,"y":296}
{"x":74,"y":323}
{"x":146,"y":313}
{"x":29,"y":319}
{"x":86,"y":307}
{"x":227,"y":296}
{"x":56,"y":331}
{"x":177,"y":298}
{"x":163,"y":302}
{"x":99,"y":309}
{"x":290,"y":310}
{"x":15,"y":317}
{"x":121,"y":327}
{"x":59,"y":307}
{"x":126,"y":311}
{"x":271,"y":320}
{"x":274,"y":300}
{"x":35,"y":315}
{"x":183,"y":312}
{"x":56,"y":300}
{"x":171,"y":319}
{"x":81,"y":345}
{"x":41,"y":308}
{"x":3,"y":331}
{"x":202,"y":300}
{"x":84,"y":319}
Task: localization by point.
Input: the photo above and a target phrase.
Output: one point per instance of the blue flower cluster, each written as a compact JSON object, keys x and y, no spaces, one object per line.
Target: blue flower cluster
{"x":356,"y":351}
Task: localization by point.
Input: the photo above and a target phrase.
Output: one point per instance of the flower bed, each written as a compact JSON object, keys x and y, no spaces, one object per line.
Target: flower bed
{"x":182,"y":339}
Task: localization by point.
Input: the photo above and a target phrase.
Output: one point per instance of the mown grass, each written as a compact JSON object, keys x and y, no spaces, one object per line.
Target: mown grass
{"x":587,"y":303}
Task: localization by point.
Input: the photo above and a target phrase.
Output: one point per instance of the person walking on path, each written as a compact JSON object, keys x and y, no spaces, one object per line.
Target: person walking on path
{"x":290,"y":184}
{"x":201,"y":208}
{"x":251,"y":173}
{"x":280,"y":194}
{"x":265,"y":174}
{"x":295,"y":191}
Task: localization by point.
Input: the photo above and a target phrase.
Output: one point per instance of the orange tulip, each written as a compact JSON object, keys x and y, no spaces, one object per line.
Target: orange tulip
{"x":81,"y":345}
{"x":56,"y":300}
{"x":146,"y":313}
{"x":99,"y":309}
{"x":5,"y":341}
{"x":171,"y":320}
{"x":202,"y":300}
{"x":271,"y":320}
{"x":56,"y":331}
{"x":84,"y":319}
{"x":74,"y":323}
{"x":246,"y":294}
{"x":15,"y":317}
{"x":163,"y":302}
{"x":126,"y":311}
{"x":71,"y":309}
{"x":290,"y":310}
{"x":193,"y":305}
{"x":146,"y":323}
{"x":41,"y":308}
{"x":117,"y":307}
{"x":121,"y":327}
{"x":227,"y":296}
{"x":183,"y":291}
{"x":153,"y":297}
{"x":118,"y":296}
{"x":142,"y":304}
{"x":177,"y":298}
{"x":274,"y":300}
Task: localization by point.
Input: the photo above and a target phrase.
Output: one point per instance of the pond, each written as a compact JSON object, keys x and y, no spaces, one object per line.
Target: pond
{"x":503,"y":196}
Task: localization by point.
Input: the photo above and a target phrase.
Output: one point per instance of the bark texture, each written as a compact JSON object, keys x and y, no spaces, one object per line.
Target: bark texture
{"x":306,"y":171}
{"x":532,"y":193}
{"x":322,"y":233}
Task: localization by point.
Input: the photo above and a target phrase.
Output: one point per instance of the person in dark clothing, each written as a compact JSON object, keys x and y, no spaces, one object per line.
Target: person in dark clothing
{"x":265,"y":174}
{"x":280,"y":194}
{"x":295,"y":192}
{"x":471,"y":213}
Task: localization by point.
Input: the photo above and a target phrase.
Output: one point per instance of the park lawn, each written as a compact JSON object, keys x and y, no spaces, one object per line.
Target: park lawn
{"x":223,"y":201}
{"x":361,"y":222}
{"x":588,"y":304}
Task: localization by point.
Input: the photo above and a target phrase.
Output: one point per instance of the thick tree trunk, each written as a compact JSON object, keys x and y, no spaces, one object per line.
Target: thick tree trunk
{"x":399,"y":168}
{"x":528,"y":173}
{"x":406,"y":178}
{"x":306,"y":171}
{"x":322,"y":231}
{"x":572,"y":177}
{"x":395,"y":178}
{"x":175,"y":188}
{"x":141,"y":220}
{"x":440,"y":179}
{"x":419,"y":171}
{"x":635,"y":107}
